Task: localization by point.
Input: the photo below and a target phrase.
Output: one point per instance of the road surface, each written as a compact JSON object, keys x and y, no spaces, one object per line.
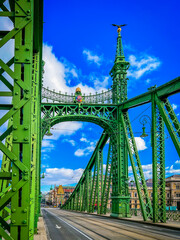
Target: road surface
{"x":65,"y":225}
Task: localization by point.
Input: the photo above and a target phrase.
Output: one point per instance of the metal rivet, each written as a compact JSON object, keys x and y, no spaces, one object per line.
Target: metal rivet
{"x":14,"y":189}
{"x":14,"y":174}
{"x":25,"y":178}
{"x":25,"y":210}
{"x":17,"y":11}
{"x":27,"y":59}
{"x":16,"y":79}
{"x":24,"y":221}
{"x":13,"y":210}
{"x":16,"y":93}
{"x":16,"y":59}
{"x":28,"y":11}
{"x":26,"y":97}
{"x":26,"y":128}
{"x":13,"y":221}
{"x":15,"y":138}
{"x":25,"y":171}
{"x":15,"y":108}
{"x":17,"y":48}
{"x":25,"y":139}
{"x":16,"y":28}
{"x":27,"y":49}
{"x":28,"y":18}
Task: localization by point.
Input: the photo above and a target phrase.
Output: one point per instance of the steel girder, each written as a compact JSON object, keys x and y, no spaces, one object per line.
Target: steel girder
{"x":20,"y":172}
{"x":19,"y":176}
{"x":158,"y":164}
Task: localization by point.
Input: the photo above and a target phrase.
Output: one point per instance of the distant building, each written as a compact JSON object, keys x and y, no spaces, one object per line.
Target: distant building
{"x":172,"y":192}
{"x":58,"y":195}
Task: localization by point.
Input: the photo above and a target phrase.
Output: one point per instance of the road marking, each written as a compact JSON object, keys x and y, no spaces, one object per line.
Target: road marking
{"x":58,"y":226}
{"x":70,"y":225}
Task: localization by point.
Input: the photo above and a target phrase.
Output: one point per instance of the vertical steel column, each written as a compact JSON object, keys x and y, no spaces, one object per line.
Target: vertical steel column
{"x":98,"y":181}
{"x":107,"y":181}
{"x":158,"y":153}
{"x":87,"y":190}
{"x":171,"y":122}
{"x":80,"y":196}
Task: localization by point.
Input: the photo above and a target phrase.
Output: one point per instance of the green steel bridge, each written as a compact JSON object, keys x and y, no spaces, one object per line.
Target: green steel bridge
{"x":20,"y":142}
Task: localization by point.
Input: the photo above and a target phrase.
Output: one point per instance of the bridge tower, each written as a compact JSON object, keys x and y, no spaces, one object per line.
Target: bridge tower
{"x":120,"y":195}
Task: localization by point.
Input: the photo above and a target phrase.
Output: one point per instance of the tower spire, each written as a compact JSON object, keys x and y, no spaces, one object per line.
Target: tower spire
{"x":119,"y":71}
{"x":119,"y":48}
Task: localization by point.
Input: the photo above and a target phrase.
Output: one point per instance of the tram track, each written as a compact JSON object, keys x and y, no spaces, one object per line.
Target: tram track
{"x":127,"y":231}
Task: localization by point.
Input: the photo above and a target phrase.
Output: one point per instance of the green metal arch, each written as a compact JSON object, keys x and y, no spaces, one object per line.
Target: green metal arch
{"x":109,"y":126}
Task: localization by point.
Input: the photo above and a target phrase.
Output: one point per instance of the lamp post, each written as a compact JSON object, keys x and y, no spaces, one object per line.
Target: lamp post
{"x":48,"y":133}
{"x":144,"y":120}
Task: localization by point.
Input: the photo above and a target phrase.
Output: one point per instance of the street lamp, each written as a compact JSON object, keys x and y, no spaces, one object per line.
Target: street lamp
{"x":43,"y":175}
{"x":48,"y":132}
{"x":144,"y":120}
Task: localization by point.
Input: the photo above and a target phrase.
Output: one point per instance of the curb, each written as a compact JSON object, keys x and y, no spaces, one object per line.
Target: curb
{"x":45,"y":226}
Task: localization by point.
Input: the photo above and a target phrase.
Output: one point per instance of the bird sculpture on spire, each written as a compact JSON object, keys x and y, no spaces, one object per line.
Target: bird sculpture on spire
{"x":119,"y":26}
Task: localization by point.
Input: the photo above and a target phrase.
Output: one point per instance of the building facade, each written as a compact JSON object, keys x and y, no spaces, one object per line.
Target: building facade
{"x":172,"y":192}
{"x":60,"y":194}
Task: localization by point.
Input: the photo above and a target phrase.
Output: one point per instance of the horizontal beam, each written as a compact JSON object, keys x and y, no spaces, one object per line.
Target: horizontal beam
{"x":5,"y":106}
{"x":5,"y":175}
{"x":75,"y":105}
{"x":5,"y":94}
{"x":163,"y":91}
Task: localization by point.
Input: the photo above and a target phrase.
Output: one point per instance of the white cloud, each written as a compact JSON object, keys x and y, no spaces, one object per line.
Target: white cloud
{"x":177,"y":162}
{"x":147,"y":170}
{"x":62,"y":176}
{"x":148,"y":81}
{"x":101,"y":83}
{"x":72,"y":142}
{"x":140,"y":143}
{"x":84,"y":152}
{"x":142,"y":66}
{"x":56,"y":72}
{"x":46,"y":143}
{"x":44,"y":165}
{"x":63,"y":129}
{"x":92,"y":57}
{"x":174,"y":106}
{"x":174,"y":168}
{"x":83,"y":139}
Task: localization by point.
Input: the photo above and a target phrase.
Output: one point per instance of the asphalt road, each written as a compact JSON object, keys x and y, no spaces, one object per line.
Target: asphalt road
{"x":65,"y":225}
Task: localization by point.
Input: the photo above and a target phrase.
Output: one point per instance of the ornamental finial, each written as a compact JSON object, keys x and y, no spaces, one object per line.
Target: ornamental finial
{"x":119,"y":27}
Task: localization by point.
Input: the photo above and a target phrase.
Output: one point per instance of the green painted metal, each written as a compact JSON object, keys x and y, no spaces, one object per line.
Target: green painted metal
{"x":107,"y":182}
{"x":158,"y":148}
{"x":20,"y":194}
{"x":171,"y":122}
{"x":20,"y":149}
{"x":141,"y":186}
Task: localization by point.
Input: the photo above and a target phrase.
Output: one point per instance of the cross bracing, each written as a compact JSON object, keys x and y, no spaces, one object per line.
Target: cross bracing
{"x":29,"y":116}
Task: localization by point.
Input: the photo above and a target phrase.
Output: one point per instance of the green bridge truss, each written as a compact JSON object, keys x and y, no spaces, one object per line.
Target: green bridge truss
{"x":34,"y":109}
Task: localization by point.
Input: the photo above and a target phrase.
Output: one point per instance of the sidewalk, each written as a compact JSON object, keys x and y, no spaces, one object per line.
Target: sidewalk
{"x":41,"y":230}
{"x":170,"y":224}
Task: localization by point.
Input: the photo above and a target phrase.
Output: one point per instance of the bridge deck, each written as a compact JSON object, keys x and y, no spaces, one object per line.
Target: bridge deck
{"x":72,"y":225}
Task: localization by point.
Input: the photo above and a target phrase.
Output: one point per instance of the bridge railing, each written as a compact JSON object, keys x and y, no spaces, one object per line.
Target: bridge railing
{"x":103,"y":97}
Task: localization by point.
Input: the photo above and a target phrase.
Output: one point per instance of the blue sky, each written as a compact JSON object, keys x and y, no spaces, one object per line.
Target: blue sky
{"x":79,"y":50}
{"x":80,"y":41}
